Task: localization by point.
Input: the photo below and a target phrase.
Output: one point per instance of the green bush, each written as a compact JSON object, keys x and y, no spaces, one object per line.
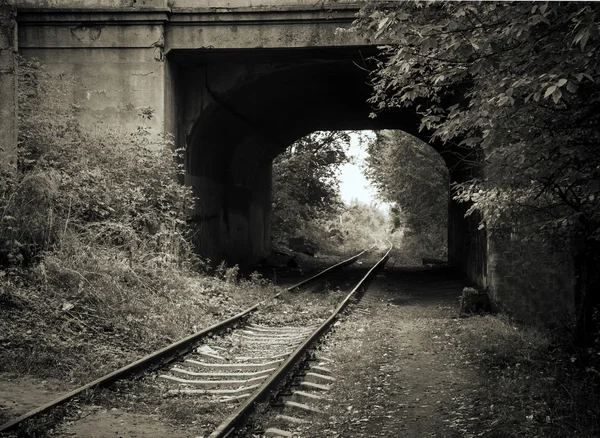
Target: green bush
{"x":96,"y":261}
{"x":102,"y":186}
{"x":412,"y":176}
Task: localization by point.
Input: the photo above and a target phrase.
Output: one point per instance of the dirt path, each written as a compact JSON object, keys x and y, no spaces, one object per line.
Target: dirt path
{"x":98,"y":422}
{"x":398,"y":372}
{"x":19,"y":394}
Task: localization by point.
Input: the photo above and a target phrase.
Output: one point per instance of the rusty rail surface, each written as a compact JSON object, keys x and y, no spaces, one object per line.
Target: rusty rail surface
{"x":236,"y":419}
{"x":164,"y":355}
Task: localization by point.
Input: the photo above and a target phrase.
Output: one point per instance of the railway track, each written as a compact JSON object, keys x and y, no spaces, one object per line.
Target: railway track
{"x":261,"y":353}
{"x":306,"y":395}
{"x":301,"y":341}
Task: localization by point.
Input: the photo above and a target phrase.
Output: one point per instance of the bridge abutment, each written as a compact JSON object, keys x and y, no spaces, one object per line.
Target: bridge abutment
{"x":467,"y":244}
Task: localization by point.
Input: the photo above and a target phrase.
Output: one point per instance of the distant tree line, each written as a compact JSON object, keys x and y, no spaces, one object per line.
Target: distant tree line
{"x":412,"y":176}
{"x":305,"y":182}
{"x":408,"y":174}
{"x":307,"y":200}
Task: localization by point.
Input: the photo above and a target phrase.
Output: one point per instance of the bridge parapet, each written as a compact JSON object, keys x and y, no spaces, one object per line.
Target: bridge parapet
{"x":186,"y":24}
{"x":90,"y":6}
{"x":189,"y":5}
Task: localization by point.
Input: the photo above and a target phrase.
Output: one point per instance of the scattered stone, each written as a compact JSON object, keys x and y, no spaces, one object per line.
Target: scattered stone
{"x":474,"y":301}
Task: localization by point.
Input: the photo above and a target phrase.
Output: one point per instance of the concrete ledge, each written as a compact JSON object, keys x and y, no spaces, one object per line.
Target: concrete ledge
{"x":115,"y":16}
{"x":218,"y":16}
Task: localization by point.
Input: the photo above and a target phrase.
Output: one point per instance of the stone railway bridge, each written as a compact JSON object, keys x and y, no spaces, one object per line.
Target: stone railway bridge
{"x":235,"y":82}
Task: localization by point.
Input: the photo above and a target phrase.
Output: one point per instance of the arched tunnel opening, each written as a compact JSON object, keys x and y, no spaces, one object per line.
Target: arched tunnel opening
{"x":237,"y":110}
{"x":339,"y":192}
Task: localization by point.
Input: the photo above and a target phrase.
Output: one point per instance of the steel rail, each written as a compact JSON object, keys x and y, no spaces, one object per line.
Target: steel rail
{"x":332,"y":268}
{"x":164,"y":355}
{"x":228,"y":426}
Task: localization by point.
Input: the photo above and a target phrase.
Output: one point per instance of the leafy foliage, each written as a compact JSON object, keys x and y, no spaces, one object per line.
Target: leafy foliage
{"x":412,"y":176}
{"x":305,"y":184}
{"x":307,"y":200}
{"x":90,"y":223}
{"x":519,"y":81}
{"x":105,"y":187}
{"x":361,"y":225}
{"x":534,"y":387}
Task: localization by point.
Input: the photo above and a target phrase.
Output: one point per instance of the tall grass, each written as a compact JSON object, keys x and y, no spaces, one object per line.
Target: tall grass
{"x":536,"y":386}
{"x":102,"y":186}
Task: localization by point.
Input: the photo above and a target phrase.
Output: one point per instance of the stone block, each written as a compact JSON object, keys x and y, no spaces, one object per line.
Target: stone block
{"x":474,"y":301}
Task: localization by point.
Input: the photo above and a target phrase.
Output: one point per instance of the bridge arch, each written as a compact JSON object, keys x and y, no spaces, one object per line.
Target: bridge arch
{"x":256,"y":105}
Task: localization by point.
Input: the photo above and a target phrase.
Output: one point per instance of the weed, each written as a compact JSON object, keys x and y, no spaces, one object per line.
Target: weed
{"x":536,"y":387}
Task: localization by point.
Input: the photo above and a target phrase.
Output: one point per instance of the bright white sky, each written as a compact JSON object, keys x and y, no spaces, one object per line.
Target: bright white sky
{"x":353,"y":184}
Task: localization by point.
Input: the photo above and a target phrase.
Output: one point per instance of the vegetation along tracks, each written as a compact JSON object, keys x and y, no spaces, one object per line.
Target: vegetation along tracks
{"x":167,"y":354}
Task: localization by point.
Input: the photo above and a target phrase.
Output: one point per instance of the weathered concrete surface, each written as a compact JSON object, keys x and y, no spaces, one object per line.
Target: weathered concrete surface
{"x":241,"y":29}
{"x":190,"y":4}
{"x":118,"y":54}
{"x":91,"y":5}
{"x":118,"y":69}
{"x":467,"y":244}
{"x":303,"y":4}
{"x":529,"y":278}
{"x":8,"y":84}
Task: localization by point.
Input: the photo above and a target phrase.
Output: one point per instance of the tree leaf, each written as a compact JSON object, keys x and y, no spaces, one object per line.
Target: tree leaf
{"x":556,"y":95}
{"x":549,"y":91}
{"x":383,"y":22}
{"x":381,"y":27}
{"x":582,"y":37}
{"x":67,"y":306}
{"x":572,"y":87}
